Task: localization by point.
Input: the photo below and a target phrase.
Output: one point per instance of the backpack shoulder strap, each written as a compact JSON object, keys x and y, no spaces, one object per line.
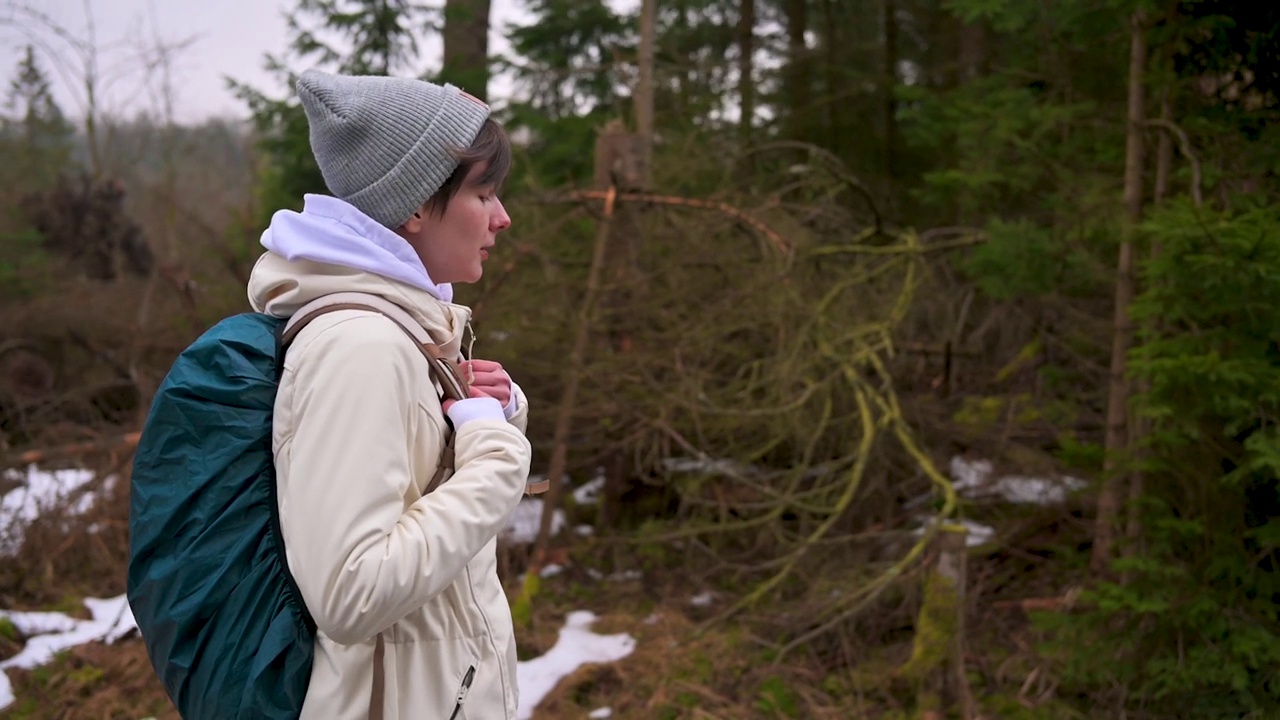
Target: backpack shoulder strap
{"x":452,"y":385}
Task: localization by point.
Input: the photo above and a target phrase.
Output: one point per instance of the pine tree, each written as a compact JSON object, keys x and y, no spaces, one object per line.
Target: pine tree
{"x":564,"y":65}
{"x":36,"y":142}
{"x":358,"y":37}
{"x":36,"y":135}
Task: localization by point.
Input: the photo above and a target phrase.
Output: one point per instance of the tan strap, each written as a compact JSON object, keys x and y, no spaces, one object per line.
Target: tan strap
{"x":443,"y":370}
{"x":452,"y":386}
{"x":378,"y":693}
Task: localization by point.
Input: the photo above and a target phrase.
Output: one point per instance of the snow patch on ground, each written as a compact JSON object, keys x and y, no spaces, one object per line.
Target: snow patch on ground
{"x":708,"y":466}
{"x":976,"y":479}
{"x":589,"y":493}
{"x":522,"y":526}
{"x":50,"y":633}
{"x":703,"y":599}
{"x":40,"y":491}
{"x":576,"y":646}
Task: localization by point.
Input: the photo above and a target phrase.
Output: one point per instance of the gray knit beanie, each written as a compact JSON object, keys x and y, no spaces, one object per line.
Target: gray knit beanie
{"x":386,"y":144}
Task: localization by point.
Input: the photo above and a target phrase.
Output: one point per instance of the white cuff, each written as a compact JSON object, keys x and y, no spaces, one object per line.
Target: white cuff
{"x":484,"y":408}
{"x":512,"y":404}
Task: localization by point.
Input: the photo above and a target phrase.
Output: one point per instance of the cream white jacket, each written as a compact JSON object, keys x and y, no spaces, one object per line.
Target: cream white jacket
{"x":403,"y":586}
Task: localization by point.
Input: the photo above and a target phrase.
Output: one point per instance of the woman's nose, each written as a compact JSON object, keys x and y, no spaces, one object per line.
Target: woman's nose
{"x":500,"y":220}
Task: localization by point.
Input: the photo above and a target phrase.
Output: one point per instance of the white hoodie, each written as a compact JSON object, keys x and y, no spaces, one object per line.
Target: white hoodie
{"x":403,"y":585}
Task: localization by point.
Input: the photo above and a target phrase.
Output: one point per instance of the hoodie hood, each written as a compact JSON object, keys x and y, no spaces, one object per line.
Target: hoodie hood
{"x":334,"y":232}
{"x":331,"y":247}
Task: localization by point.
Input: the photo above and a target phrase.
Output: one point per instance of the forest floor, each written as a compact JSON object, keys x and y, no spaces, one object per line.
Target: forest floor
{"x":68,"y":657}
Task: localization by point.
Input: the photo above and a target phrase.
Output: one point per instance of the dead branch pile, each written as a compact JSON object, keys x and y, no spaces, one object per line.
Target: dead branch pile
{"x":741,"y":363}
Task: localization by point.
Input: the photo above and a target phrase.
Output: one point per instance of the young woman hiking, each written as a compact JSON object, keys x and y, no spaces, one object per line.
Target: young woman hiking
{"x":398,"y":572}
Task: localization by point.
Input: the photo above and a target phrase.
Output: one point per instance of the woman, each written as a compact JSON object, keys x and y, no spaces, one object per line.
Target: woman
{"x":399,"y":576}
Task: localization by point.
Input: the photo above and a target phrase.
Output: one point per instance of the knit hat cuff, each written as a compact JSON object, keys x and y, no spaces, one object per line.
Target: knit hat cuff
{"x":393,"y":198}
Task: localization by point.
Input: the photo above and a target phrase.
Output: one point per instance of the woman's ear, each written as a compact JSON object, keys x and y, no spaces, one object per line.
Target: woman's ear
{"x":413,"y":225}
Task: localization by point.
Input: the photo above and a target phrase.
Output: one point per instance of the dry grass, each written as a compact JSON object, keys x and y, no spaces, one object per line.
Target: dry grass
{"x":63,"y":559}
{"x":679,"y":669}
{"x":92,"y":682}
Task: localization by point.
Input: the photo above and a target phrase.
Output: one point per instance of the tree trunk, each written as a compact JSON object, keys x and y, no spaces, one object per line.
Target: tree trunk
{"x":1164,"y":161}
{"x":936,"y":664}
{"x":889,"y":104}
{"x":840,"y":126}
{"x":629,"y":158}
{"x":1141,"y":424}
{"x":644,"y":73}
{"x":572,"y":381}
{"x":971,"y":56}
{"x":746,"y":66}
{"x":1122,"y":338}
{"x":797,"y":77}
{"x":466,"y":46}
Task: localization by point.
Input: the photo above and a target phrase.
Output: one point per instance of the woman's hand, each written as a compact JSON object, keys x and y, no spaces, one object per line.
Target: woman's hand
{"x":487,"y":379}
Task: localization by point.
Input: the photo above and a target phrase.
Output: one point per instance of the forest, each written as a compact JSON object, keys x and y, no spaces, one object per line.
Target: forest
{"x":890,"y":358}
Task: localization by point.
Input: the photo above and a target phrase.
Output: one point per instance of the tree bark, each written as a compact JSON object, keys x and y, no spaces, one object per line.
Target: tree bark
{"x":644,"y":82}
{"x":797,"y":75}
{"x":629,"y":162}
{"x":889,"y":104}
{"x":972,"y":55}
{"x":466,"y":46}
{"x":746,"y":70}
{"x":1116,"y":438}
{"x":573,"y":380}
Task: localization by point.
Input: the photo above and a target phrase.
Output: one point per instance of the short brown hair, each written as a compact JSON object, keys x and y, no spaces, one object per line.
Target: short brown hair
{"x":490,"y":146}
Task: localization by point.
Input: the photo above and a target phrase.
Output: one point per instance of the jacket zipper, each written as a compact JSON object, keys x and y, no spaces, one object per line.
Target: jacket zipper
{"x":493,"y":643}
{"x":462,"y":691}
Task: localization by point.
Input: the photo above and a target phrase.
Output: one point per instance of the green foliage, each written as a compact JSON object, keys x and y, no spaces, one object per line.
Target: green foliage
{"x":1212,"y":316}
{"x":563,"y":63}
{"x":1018,"y":129}
{"x":777,"y":699}
{"x":376,"y":37}
{"x":1008,"y":145}
{"x":522,"y":605}
{"x":1202,"y":633}
{"x":23,"y":263}
{"x":1021,"y":259}
{"x":561,"y":54}
{"x":36,"y":140}
{"x":8,"y":630}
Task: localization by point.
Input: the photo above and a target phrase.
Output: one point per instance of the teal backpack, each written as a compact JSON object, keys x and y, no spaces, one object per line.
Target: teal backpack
{"x":221,"y":616}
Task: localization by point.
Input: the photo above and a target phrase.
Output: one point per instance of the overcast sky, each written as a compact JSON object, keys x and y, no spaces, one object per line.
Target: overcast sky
{"x":229,"y":38}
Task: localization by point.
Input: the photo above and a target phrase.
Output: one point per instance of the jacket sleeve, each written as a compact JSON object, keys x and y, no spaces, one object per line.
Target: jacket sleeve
{"x":361,"y":560}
